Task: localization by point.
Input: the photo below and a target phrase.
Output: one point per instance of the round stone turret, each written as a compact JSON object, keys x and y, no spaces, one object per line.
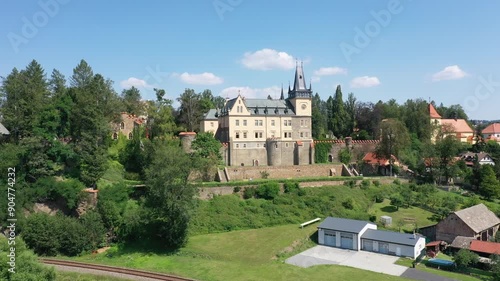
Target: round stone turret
{"x":186,"y":140}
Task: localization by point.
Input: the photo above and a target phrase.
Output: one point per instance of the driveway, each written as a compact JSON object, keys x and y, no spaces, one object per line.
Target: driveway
{"x":358,"y":259}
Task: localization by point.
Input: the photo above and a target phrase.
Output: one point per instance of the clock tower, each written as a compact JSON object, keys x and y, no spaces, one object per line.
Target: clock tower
{"x":300,"y":96}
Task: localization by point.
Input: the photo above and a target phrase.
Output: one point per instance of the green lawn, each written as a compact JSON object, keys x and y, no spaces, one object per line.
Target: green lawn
{"x":73,"y":276}
{"x":256,"y":254}
{"x":408,"y":216}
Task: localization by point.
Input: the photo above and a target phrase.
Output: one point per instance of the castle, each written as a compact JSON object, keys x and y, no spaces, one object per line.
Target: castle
{"x":265,"y":131}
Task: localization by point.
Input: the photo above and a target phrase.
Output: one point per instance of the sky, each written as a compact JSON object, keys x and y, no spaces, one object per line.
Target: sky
{"x":447,"y":51}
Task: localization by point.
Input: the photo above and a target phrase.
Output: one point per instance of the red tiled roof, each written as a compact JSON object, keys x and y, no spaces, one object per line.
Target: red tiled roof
{"x":433,"y":112}
{"x":485,"y":247}
{"x":458,"y":125}
{"x":492,"y":129}
{"x":371,"y":158}
{"x":433,"y":243}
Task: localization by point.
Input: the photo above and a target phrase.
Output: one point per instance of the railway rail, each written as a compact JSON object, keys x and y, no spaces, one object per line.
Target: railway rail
{"x":114,"y":269}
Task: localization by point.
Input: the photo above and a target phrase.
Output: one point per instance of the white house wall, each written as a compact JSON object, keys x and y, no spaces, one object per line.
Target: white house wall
{"x":419,"y":247}
{"x":358,"y":240}
{"x":321,"y":236}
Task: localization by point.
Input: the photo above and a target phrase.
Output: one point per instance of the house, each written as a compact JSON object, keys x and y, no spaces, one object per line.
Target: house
{"x":457,"y":127}
{"x":361,"y":235}
{"x":378,"y":165}
{"x":210,"y":121}
{"x":477,"y":222}
{"x":492,"y":132}
{"x":482,"y":157}
{"x":127,"y":124}
{"x":271,"y":132}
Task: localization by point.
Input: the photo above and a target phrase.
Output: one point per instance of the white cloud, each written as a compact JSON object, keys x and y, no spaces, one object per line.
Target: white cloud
{"x":327,"y":71}
{"x":364,"y":82}
{"x":267,"y":59}
{"x":134,"y":82}
{"x":205,"y":78}
{"x":315,"y":79}
{"x":251,"y":93}
{"x":451,"y":72}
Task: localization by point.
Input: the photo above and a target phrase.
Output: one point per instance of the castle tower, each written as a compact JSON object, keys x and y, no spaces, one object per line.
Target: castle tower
{"x":300,"y":96}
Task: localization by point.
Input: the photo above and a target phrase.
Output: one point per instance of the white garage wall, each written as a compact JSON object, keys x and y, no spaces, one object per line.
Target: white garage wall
{"x":321,"y":236}
{"x":419,"y":247}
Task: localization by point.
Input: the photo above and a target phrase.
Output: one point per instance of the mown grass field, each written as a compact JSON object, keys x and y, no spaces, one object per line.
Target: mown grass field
{"x":237,"y":255}
{"x":408,"y":217}
{"x":73,"y":276}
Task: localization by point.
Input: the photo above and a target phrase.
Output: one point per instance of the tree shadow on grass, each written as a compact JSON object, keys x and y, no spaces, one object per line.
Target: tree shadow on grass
{"x":388,"y":209}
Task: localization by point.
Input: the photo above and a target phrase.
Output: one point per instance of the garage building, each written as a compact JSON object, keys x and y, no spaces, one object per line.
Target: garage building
{"x":362,"y":235}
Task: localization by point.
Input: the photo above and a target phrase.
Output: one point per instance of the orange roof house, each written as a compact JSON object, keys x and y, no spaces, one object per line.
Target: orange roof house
{"x":485,"y":247}
{"x":492,"y":132}
{"x":459,"y":127}
{"x":371,"y":158}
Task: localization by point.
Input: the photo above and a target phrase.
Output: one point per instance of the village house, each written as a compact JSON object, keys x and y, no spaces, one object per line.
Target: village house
{"x":378,"y":165}
{"x":458,"y":127}
{"x":482,"y":158}
{"x":492,"y":132}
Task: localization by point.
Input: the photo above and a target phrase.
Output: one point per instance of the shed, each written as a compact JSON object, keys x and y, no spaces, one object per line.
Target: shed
{"x":386,"y":220}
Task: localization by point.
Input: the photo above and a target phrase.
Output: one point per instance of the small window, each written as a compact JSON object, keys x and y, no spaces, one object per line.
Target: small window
{"x":302,"y":123}
{"x":239,"y":101}
{"x":237,"y":135}
{"x":260,"y":134}
{"x":307,"y":134}
{"x":244,"y":122}
{"x":244,"y":145}
{"x":129,"y":136}
{"x":285,"y":122}
{"x":211,"y":124}
{"x":258,"y":145}
{"x":237,"y":146}
{"x":260,"y":122}
{"x":289,"y":122}
{"x":272,"y":123}
{"x":237,"y":122}
{"x":301,"y":134}
{"x":244,"y":135}
{"x":122,"y":125}
{"x":256,"y":135}
{"x":115,"y":136}
{"x":256,"y":122}
{"x":286,"y":144}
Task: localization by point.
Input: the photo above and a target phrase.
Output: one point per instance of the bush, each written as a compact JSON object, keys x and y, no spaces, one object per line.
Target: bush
{"x":301,"y":192}
{"x":465,"y":258}
{"x":379,"y":198}
{"x":365,"y":184}
{"x":351,"y":183}
{"x":249,"y":192}
{"x":376,"y":183}
{"x":236,"y":189}
{"x":290,"y":186}
{"x":268,"y":191}
{"x":264,"y":174}
{"x":348,"y":204}
{"x":373,"y":218}
{"x":397,"y":182}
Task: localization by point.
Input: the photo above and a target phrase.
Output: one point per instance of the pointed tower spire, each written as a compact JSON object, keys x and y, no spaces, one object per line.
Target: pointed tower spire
{"x":310,"y":84}
{"x":282,"y":97}
{"x":299,"y":83}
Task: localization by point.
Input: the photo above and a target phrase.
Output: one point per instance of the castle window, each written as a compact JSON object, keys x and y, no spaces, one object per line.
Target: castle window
{"x":244,"y":122}
{"x":244,"y":135}
{"x":284,"y":122}
{"x":115,"y":136}
{"x":122,"y":125}
{"x":258,"y":145}
{"x":244,"y":145}
{"x":256,"y":122}
{"x":237,"y":122}
{"x":211,"y":124}
{"x":260,"y":122}
{"x":272,"y":123}
{"x":302,"y":123}
{"x":237,"y":146}
{"x":307,"y":134}
{"x":237,"y":135}
{"x":286,"y":144}
{"x":301,"y":134}
{"x":289,"y":122}
{"x":273,"y":133}
{"x":129,"y":136}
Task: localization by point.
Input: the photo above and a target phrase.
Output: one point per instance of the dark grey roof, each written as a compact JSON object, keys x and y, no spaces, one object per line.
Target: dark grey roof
{"x":300,"y":81}
{"x":210,"y":115}
{"x":391,"y":237}
{"x":4,"y":130}
{"x":260,"y":106}
{"x":347,"y":225}
{"x":461,"y":242}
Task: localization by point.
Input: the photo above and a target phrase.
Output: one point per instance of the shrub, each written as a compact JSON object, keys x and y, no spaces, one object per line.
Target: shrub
{"x":290,"y":186}
{"x":365,"y":184}
{"x":397,"y":182}
{"x":379,"y":198}
{"x":351,"y":183}
{"x":249,"y":192}
{"x":373,"y":218}
{"x":301,"y":192}
{"x":348,"y":204}
{"x":236,"y":189}
{"x":465,"y":258}
{"x":376,"y":183}
{"x":268,"y":191}
{"x":264,"y":174}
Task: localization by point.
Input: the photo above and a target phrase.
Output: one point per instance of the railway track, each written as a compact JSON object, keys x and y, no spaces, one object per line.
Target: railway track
{"x":114,"y":269}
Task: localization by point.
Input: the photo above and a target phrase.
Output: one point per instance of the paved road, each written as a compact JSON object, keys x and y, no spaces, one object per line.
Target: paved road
{"x":416,"y":274}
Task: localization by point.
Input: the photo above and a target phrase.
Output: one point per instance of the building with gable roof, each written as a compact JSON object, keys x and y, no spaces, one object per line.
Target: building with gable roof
{"x":477,"y":222}
{"x":458,"y":127}
{"x":266,"y":131}
{"x":492,"y":132}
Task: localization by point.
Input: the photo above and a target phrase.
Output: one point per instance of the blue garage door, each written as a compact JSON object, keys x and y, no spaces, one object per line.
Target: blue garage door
{"x":367,"y":245}
{"x":383,"y":248}
{"x":346,"y":241}
{"x":330,"y":240}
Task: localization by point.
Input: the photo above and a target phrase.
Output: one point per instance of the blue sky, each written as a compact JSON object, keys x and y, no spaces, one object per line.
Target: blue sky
{"x":446,"y":50}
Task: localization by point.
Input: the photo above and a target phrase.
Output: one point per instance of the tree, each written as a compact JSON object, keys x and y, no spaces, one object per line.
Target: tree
{"x":132,"y":101}
{"x":447,"y":148}
{"x":27,"y":266}
{"x":465,"y":258}
{"x":161,"y":121}
{"x":397,"y":201}
{"x":318,"y":117}
{"x":190,"y":111}
{"x":350,"y":109}
{"x":171,"y":198}
{"x":345,"y":156}
{"x":338,"y":115}
{"x":394,"y":139}
{"x":489,"y":186}
{"x":94,"y":226}
{"x":495,"y":267}
{"x":207,"y":146}
{"x":82,"y":75}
